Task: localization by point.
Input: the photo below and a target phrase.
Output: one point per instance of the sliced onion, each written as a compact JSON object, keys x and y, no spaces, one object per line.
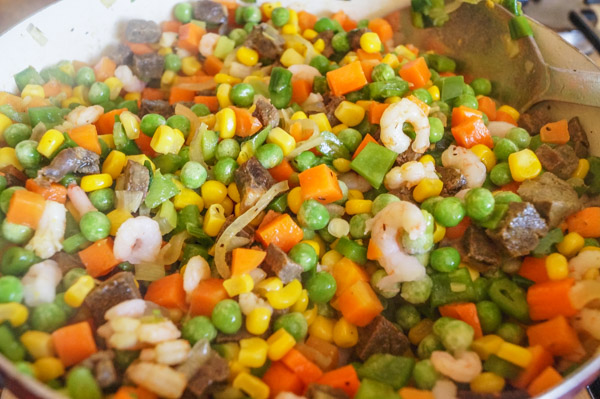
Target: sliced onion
{"x":149,"y":271}
{"x":129,"y":201}
{"x":37,"y":34}
{"x":196,"y":153}
{"x":238,"y":70}
{"x":181,"y":109}
{"x":499,"y":128}
{"x":304,"y":72}
{"x":172,"y":250}
{"x":200,"y":86}
{"x":196,"y":358}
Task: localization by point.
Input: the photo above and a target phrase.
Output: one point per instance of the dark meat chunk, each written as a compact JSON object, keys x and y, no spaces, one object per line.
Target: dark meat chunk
{"x":326,"y":35}
{"x":141,"y":31}
{"x":120,"y":287}
{"x":148,"y":66}
{"x":354,"y":37}
{"x":331,"y":103}
{"x":137,"y":177}
{"x":509,"y":394}
{"x":533,"y":120}
{"x":404,"y":193}
{"x":241,"y":334}
{"x":581,"y":145}
{"x":215,"y":369}
{"x":13,"y":176}
{"x":519,"y":231}
{"x":319,"y":391}
{"x":268,"y":45}
{"x":67,"y":261}
{"x":121,"y":54}
{"x":277,"y":262}
{"x":252,"y":180}
{"x":210,"y":12}
{"x":561,"y":160}
{"x":71,"y":160}
{"x":246,"y":232}
{"x":453,"y":180}
{"x":553,"y":198}
{"x":408,"y":156}
{"x":478,"y":250}
{"x":380,"y":336}
{"x":266,"y":113}
{"x":160,"y":107}
{"x":102,"y":366}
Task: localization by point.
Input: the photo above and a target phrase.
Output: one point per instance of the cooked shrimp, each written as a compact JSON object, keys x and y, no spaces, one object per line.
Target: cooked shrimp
{"x":355,"y":181}
{"x":467,"y":162}
{"x":249,"y":301}
{"x":395,"y":218}
{"x":49,"y":234}
{"x":444,"y":389}
{"x":304,"y":72}
{"x":409,"y":174}
{"x":463,"y":368}
{"x":131,"y":83}
{"x":80,"y":200}
{"x":40,"y":281}
{"x":583,"y":292}
{"x":138,"y":240}
{"x":208,"y":43}
{"x":172,"y":352}
{"x":85,"y":115}
{"x":153,"y":333}
{"x":588,"y":320}
{"x":158,"y":378}
{"x":197,"y":269}
{"x":129,"y":308}
{"x":391,"y":123}
{"x":583,"y":262}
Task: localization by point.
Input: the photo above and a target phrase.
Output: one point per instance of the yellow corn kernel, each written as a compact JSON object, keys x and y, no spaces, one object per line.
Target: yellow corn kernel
{"x":267,"y":8}
{"x":114,"y":163}
{"x":341,"y":165}
{"x":225,"y":123}
{"x":294,"y":199}
{"x":8,"y":156}
{"x":237,"y":285}
{"x":283,"y":139}
{"x":38,"y":343}
{"x":487,"y":382}
{"x":134,"y":95}
{"x":227,"y":206}
{"x":108,"y":139}
{"x":310,"y":315}
{"x":233,"y":192}
{"x":427,"y":188}
{"x":404,"y":52}
{"x":131,"y":124}
{"x":141,"y":159}
{"x":252,"y":386}
{"x":322,"y":327}
{"x":285,"y":297}
{"x":571,"y":244}
{"x":524,"y":165}
{"x":214,"y":219}
{"x":13,"y":312}
{"x":235,"y":369}
{"x":291,"y":57}
{"x":330,"y":258}
{"x":167,"y":140}
{"x":345,"y":334}
{"x":487,"y":345}
{"x":392,"y":60}
{"x":293,"y":17}
{"x":33,"y":91}
{"x":76,"y":293}
{"x":434,"y":91}
{"x":356,"y":206}
{"x":472,"y":272}
{"x":50,"y":142}
{"x":299,"y":115}
{"x":188,"y":197}
{"x":247,"y":56}
{"x":514,"y":353}
{"x":355,"y":195}
{"x":190,"y":65}
{"x":117,"y":217}
{"x":96,"y":182}
{"x":253,"y":352}
{"x":316,"y":246}
{"x":557,"y":266}
{"x":511,"y":111}
{"x":338,"y":128}
{"x":165,"y":51}
{"x":258,"y":320}
{"x":4,"y":123}
{"x":302,"y":302}
{"x":168,"y":78}
{"x":392,"y":100}
{"x":439,"y":232}
{"x":223,"y":78}
{"x":583,"y":167}
{"x":48,"y":368}
{"x":269,"y":285}
{"x":81,"y":93}
{"x":427,"y":159}
{"x":319,"y":45}
{"x":349,"y":113}
{"x":280,"y":342}
{"x":589,"y":248}
{"x":115,"y":86}
{"x":370,"y":42}
{"x":485,"y":154}
{"x":322,"y":122}
{"x":309,"y":34}
{"x":591,"y":274}
{"x":213,"y":192}
{"x":420,"y":331}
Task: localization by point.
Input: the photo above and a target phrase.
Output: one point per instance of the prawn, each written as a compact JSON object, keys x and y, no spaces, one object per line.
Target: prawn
{"x":131,"y":83}
{"x":463,"y":368}
{"x":397,"y":217}
{"x":467,"y":162}
{"x":138,"y":240}
{"x":197,"y":269}
{"x":153,"y":333}
{"x":391,"y":123}
{"x":588,"y":320}
{"x":85,"y":115}
{"x":304,"y":72}
{"x":208,"y":43}
{"x":129,"y":308}
{"x":409,"y":174}
{"x":48,"y":237}
{"x":355,"y":181}
{"x":40,"y":281}
{"x":80,"y":200}
{"x":158,"y":378}
{"x":583,"y":262}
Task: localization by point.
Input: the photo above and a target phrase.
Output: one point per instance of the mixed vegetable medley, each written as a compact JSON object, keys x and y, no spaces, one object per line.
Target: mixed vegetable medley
{"x":254,"y":201}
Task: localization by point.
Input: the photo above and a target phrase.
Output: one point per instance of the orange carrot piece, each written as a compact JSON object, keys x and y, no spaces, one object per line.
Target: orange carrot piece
{"x":344,"y":378}
{"x":170,"y":26}
{"x":104,"y":69}
{"x":245,"y":124}
{"x":206,"y":295}
{"x":177,"y":94}
{"x":150,"y":93}
{"x":487,"y":106}
{"x":368,"y":66}
{"x":586,"y":222}
{"x":555,"y":335}
{"x":210,"y":101}
{"x":25,"y":208}
{"x":54,"y":192}
{"x":126,"y":392}
{"x":413,"y":393}
{"x":346,"y":273}
{"x":301,"y":89}
{"x":98,"y":258}
{"x":281,"y":231}
{"x":168,"y":292}
{"x":471,"y":132}
{"x":534,"y":269}
{"x":502,"y":116}
{"x":280,"y":378}
{"x":376,"y":110}
{"x":345,"y":21}
{"x":320,"y":183}
{"x":512,"y":186}
{"x":307,"y":371}
{"x":348,"y":78}
{"x":189,"y":37}
{"x":466,"y":312}
{"x":382,"y":28}
{"x":550,"y":299}
{"x":462,"y":114}
{"x":86,"y":136}
{"x":458,"y":230}
{"x":52,"y":88}
{"x":306,"y":20}
{"x":74,"y":343}
{"x":540,"y":359}
{"x":244,"y":260}
{"x":106,"y":122}
{"x":143,"y":143}
{"x":373,"y":251}
{"x":212,"y":65}
{"x":359,"y":304}
{"x":268,"y":218}
{"x":555,"y":132}
{"x":543,"y":382}
{"x":139,"y":48}
{"x":283,"y":171}
{"x":416,"y":72}
{"x":298,"y":133}
{"x":364,"y":56}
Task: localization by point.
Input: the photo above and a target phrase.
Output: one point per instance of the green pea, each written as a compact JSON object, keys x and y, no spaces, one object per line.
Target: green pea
{"x":425,"y":374}
{"x":209,"y":142}
{"x":504,"y":148}
{"x":456,"y":335}
{"x":198,"y":328}
{"x":181,"y":123}
{"x":304,"y":255}
{"x":304,"y":160}
{"x":430,"y":203}
{"x":252,"y":14}
{"x":351,"y":138}
{"x":479,"y":203}
{"x":10,"y":346}
{"x":81,"y":384}
{"x":517,"y":135}
{"x":511,"y":332}
{"x":269,"y":155}
{"x":381,"y":201}
{"x":103,"y":199}
{"x":99,"y":93}
{"x":417,"y":292}
{"x":249,"y":26}
{"x":72,"y":276}
{"x":25,"y":368}
{"x":489,"y":315}
{"x":94,"y":226}
{"x":500,"y":174}
{"x":467,"y":100}
{"x":47,"y":317}
{"x":16,"y":261}
{"x":200,"y":109}
{"x":436,"y":129}
{"x":294,"y":323}
{"x":324,"y":24}
{"x":85,"y":76}
{"x":16,"y":233}
{"x":358,"y":225}
{"x":225,"y":169}
{"x":321,"y":287}
{"x":172,"y":62}
{"x":27,"y":154}
{"x":382,"y":72}
{"x":193,"y":175}
{"x":468,"y":90}
{"x":69,"y":179}
{"x":340,"y":42}
{"x":183,"y":12}
{"x":11,"y":289}
{"x":481,"y":86}
{"x":59,"y":300}
{"x":320,"y":62}
{"x":423,"y":95}
{"x":428,"y":345}
{"x":280,"y":16}
{"x":238,"y":35}
{"x":535,"y":143}
{"x":445,"y":259}
{"x":313,"y":214}
{"x":16,"y":133}
{"x":407,"y":316}
{"x":227,"y":316}
{"x":151,"y":122}
{"x":449,"y":212}
{"x":227,"y":148}
{"x":242,"y":94}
